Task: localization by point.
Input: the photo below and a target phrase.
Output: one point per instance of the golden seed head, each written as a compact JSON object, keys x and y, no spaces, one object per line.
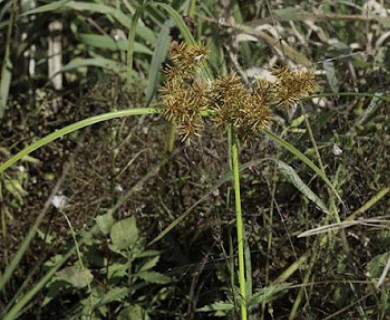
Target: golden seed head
{"x":185,"y":96}
{"x":235,"y":105}
{"x":293,"y":85}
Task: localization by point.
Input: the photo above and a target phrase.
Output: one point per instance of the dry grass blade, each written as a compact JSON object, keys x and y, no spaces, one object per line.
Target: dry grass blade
{"x":346,"y":224}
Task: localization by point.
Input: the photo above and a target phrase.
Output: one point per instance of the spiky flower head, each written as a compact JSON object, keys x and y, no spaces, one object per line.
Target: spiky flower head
{"x":233,"y":104}
{"x":183,"y":95}
{"x":184,"y":60}
{"x":293,"y":85}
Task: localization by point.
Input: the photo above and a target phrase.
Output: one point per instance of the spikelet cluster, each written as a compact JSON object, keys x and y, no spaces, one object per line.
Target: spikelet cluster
{"x":292,"y":86}
{"x":233,"y":104}
{"x":185,"y":96}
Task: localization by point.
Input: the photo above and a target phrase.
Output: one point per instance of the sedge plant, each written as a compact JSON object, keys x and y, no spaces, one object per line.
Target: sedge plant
{"x":187,"y":101}
{"x":230,"y":105}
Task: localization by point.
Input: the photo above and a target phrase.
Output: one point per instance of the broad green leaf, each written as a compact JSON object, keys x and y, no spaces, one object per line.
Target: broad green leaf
{"x":124,"y":233}
{"x":114,"y":294}
{"x":154,"y":277}
{"x":133,"y":312}
{"x":151,"y":263}
{"x":290,"y":174}
{"x":77,"y":276}
{"x":118,"y":270}
{"x":105,"y":222}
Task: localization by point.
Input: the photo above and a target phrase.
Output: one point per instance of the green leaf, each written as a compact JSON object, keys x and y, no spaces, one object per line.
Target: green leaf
{"x":5,"y":84}
{"x":220,"y":308}
{"x":53,"y":6}
{"x":124,"y":233}
{"x":114,"y":294}
{"x":331,"y":75}
{"x":154,"y":277}
{"x":147,"y":253}
{"x":118,"y":270}
{"x":377,"y":264}
{"x":133,"y":312}
{"x":305,"y":160}
{"x":105,"y":222}
{"x":290,"y":174}
{"x":268,"y":294}
{"x":159,"y":55}
{"x":371,"y":109}
{"x":77,"y":276}
{"x":149,"y":264}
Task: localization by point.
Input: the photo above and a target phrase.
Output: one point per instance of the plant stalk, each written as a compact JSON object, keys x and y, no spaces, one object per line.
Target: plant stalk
{"x":239,"y":223}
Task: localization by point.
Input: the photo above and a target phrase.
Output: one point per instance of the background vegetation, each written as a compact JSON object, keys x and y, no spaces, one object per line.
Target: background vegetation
{"x":97,"y":197}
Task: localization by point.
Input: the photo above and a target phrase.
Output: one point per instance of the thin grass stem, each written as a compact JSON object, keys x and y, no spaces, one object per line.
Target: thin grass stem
{"x":239,"y":224}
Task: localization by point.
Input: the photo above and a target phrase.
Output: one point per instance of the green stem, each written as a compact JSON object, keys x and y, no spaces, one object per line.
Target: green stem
{"x":239,"y":223}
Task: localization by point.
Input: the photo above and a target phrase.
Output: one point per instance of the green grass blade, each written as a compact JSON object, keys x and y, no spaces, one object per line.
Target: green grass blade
{"x":290,"y":174}
{"x":5,"y":84}
{"x":146,"y":33}
{"x":159,"y":55}
{"x":6,"y":69}
{"x":74,"y":127}
{"x":305,"y":160}
{"x":131,"y":41}
{"x":134,"y":22}
{"x":95,"y":62}
{"x":53,"y":6}
{"x":185,"y":32}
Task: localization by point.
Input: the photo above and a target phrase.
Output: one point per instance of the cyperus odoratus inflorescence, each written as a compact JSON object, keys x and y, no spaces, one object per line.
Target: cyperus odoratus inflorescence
{"x":186,"y":97}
